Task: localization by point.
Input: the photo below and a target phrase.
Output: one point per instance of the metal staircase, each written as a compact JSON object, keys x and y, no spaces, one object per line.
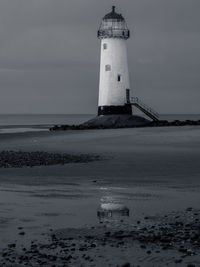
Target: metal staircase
{"x":144,"y":108}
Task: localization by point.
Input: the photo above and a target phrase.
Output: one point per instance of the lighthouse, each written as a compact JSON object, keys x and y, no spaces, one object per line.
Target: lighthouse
{"x":114,"y":84}
{"x":115,"y":98}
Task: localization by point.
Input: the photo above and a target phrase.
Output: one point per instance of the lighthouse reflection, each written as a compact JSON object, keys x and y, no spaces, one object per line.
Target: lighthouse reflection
{"x":111,"y":209}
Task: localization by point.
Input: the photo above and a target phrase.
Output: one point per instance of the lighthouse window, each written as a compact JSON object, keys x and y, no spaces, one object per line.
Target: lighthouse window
{"x":105,"y":46}
{"x":119,"y":78}
{"x":108,"y":68}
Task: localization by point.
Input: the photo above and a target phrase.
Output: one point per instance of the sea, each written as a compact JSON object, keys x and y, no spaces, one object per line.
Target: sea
{"x":16,"y":123}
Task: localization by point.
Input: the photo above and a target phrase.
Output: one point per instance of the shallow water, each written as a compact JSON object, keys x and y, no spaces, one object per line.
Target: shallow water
{"x":40,"y":208}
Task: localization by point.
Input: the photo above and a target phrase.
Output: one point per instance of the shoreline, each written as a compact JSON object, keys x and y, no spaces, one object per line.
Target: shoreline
{"x":151,"y":171}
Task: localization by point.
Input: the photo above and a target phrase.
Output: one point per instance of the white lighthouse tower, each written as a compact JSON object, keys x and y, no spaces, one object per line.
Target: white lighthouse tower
{"x":114,"y":84}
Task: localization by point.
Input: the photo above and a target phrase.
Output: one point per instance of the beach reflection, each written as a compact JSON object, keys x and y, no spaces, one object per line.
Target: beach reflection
{"x":111,"y":208}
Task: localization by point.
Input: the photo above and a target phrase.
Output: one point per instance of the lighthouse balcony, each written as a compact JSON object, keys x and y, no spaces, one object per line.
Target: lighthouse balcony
{"x":113,"y":33}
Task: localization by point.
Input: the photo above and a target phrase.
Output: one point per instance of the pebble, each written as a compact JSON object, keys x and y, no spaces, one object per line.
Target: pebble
{"x":126,"y":265}
{"x":21,"y":233}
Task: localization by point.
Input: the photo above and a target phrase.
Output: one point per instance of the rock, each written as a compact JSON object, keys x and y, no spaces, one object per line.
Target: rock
{"x":126,"y":265}
{"x":189,"y":209}
{"x":21,"y":233}
{"x":11,"y":245}
{"x":107,"y":234}
{"x":178,"y":261}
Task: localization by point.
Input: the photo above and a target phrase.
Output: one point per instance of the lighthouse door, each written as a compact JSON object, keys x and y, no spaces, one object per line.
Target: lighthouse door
{"x":128,"y":96}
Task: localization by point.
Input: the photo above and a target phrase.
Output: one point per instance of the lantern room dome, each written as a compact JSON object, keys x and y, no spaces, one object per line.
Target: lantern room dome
{"x":113,"y":25}
{"x":113,"y":15}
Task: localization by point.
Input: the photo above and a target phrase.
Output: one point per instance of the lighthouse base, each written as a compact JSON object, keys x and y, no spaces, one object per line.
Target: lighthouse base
{"x":108,"y":122}
{"x":115,"y":110}
{"x":115,"y":121}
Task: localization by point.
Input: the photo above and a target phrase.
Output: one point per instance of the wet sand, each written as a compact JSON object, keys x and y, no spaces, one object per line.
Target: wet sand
{"x":151,"y":171}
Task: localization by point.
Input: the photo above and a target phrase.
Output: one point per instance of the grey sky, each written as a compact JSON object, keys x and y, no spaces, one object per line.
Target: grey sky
{"x":49,"y":54}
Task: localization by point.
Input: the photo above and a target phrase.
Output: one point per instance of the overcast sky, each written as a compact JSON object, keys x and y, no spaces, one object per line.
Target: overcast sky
{"x":49,"y":54}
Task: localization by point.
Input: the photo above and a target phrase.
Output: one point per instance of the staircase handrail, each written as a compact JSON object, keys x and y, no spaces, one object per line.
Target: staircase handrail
{"x":136,"y":100}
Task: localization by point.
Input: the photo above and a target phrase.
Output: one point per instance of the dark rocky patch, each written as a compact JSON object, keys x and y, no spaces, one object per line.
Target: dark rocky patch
{"x":19,"y":159}
{"x":122,"y":121}
{"x":176,"y":232}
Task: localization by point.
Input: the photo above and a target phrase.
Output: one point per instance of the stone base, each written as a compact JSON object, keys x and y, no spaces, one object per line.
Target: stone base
{"x":116,"y":121}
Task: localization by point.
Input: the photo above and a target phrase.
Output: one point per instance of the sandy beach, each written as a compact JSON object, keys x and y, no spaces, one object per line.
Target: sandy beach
{"x":153,"y":172}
